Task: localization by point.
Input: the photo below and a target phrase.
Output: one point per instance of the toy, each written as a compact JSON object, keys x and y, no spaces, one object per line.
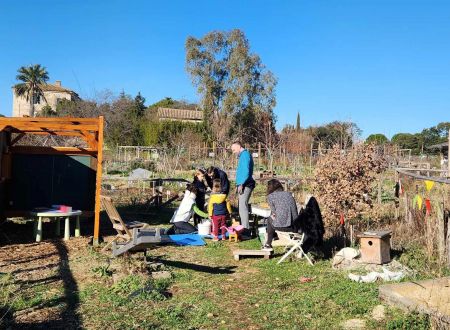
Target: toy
{"x":234,"y":231}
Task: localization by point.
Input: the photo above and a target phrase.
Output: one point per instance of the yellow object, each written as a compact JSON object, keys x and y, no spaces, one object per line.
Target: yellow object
{"x":429,"y":184}
{"x":233,"y":236}
{"x":218,"y":199}
{"x":419,"y":202}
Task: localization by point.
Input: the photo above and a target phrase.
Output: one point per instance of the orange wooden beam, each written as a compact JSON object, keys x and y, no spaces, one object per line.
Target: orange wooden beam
{"x":98,"y":187}
{"x":52,"y":150}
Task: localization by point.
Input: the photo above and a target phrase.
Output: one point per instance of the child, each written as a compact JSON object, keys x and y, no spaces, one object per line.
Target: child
{"x":218,"y":209}
{"x":183,"y":214}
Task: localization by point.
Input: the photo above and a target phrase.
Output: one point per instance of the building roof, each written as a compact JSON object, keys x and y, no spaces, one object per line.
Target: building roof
{"x":55,"y":88}
{"x":443,"y":145}
{"x":180,"y":114}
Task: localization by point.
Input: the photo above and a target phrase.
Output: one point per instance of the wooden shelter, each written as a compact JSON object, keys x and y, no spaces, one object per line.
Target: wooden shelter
{"x":34,"y":176}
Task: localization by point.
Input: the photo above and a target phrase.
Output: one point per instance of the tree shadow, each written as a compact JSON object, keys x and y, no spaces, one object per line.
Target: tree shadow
{"x":198,"y":268}
{"x":69,"y":317}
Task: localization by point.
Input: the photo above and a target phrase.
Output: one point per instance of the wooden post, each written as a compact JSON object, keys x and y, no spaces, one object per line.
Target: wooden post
{"x":259,"y":156}
{"x":440,"y":231}
{"x":98,"y":187}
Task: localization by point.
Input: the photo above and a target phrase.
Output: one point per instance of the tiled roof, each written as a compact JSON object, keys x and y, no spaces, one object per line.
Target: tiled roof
{"x":181,"y":114}
{"x":54,"y":88}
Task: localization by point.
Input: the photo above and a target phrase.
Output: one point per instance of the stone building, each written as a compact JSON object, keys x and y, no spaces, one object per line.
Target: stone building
{"x":52,"y":92}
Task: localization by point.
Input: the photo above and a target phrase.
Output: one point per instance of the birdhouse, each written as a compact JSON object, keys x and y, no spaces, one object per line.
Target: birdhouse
{"x":375,"y":247}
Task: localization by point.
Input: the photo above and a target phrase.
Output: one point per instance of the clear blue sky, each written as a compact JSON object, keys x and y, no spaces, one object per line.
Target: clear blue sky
{"x":382,"y":64}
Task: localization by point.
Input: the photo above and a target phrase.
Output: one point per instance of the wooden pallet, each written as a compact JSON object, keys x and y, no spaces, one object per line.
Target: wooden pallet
{"x":258,"y":253}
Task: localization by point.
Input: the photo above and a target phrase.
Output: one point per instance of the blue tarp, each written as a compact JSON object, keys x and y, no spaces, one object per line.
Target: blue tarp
{"x":187,"y":239}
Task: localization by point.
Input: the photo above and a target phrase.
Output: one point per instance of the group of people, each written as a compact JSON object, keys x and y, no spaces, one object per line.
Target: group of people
{"x":284,"y":213}
{"x":219,"y":208}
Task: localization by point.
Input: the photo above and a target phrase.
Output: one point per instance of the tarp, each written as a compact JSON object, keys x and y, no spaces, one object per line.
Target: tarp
{"x":187,"y":240}
{"x":139,"y":174}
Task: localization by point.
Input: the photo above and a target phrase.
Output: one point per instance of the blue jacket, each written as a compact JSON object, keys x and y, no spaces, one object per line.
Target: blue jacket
{"x":244,"y":169}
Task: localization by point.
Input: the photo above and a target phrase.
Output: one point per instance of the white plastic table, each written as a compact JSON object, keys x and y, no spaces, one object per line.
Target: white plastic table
{"x":56,"y":214}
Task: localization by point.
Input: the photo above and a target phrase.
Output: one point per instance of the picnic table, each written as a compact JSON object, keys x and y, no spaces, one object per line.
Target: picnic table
{"x":56,"y":215}
{"x":257,"y":212}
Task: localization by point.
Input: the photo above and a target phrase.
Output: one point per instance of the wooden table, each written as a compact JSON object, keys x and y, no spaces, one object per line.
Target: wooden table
{"x":57,"y":215}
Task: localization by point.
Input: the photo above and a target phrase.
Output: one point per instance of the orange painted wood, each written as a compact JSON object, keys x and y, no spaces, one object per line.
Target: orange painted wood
{"x":52,"y":150}
{"x":98,"y":181}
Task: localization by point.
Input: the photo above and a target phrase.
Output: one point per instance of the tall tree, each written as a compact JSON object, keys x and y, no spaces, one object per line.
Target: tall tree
{"x":139,"y":101}
{"x":32,"y":78}
{"x":297,"y":127}
{"x":233,"y":83}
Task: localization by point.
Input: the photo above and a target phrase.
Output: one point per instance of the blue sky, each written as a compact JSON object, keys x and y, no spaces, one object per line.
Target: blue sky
{"x":382,"y":64}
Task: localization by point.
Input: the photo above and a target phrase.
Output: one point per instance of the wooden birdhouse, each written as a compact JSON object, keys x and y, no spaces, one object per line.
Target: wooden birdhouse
{"x":375,"y":247}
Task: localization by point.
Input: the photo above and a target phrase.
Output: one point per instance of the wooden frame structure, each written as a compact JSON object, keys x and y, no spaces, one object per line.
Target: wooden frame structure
{"x":88,"y":129}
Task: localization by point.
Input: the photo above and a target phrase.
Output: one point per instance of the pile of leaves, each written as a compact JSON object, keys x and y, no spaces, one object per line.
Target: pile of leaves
{"x":343,"y":181}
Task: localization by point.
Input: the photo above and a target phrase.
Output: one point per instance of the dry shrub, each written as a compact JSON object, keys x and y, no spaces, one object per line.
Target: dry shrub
{"x":343,"y":180}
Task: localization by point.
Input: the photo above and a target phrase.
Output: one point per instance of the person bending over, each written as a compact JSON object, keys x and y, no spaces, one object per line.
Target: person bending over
{"x":183,"y":214}
{"x":219,"y":209}
{"x":198,"y":182}
{"x":213,"y":173}
{"x":283,"y":211}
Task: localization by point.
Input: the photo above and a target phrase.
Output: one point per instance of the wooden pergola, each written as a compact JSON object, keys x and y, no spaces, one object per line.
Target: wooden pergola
{"x":88,"y":129}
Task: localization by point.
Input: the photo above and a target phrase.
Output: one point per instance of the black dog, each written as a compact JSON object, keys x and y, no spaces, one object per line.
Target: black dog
{"x":309,"y":222}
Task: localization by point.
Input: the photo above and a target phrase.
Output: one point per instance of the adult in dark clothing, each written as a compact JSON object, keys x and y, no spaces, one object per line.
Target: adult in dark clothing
{"x":310,"y":222}
{"x":283,"y":211}
{"x":216,"y":173}
{"x":199,"y":183}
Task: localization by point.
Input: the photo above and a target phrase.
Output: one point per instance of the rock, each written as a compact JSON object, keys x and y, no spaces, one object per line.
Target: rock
{"x":210,"y":315}
{"x":354,"y":324}
{"x":161,"y":274}
{"x":378,"y":313}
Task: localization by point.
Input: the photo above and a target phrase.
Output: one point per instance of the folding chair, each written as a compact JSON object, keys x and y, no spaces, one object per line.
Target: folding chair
{"x":295,"y":241}
{"x":124,"y":229}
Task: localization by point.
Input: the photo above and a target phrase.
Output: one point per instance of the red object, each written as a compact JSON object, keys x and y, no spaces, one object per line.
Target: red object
{"x":342,"y":221}
{"x":428,"y":206}
{"x":219,"y":221}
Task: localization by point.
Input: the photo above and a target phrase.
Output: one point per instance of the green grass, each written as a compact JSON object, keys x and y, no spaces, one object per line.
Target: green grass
{"x":209,"y":290}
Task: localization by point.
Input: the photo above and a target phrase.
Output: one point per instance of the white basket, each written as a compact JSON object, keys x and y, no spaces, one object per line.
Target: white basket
{"x":204,"y":228}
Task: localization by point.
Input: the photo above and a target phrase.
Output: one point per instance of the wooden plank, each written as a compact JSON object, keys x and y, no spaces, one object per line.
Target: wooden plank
{"x":98,"y":187}
{"x":12,"y":120}
{"x":17,"y":138}
{"x":422,"y":177}
{"x":36,"y":150}
{"x":258,"y":253}
{"x":51,"y":126}
{"x":54,"y":133}
{"x":90,"y":139}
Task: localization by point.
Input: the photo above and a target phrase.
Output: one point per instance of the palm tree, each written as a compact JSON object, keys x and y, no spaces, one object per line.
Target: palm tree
{"x":32,"y":77}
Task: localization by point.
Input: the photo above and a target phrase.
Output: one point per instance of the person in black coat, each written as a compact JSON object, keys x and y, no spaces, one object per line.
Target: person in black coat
{"x":216,"y":173}
{"x":310,"y":222}
{"x":198,"y":182}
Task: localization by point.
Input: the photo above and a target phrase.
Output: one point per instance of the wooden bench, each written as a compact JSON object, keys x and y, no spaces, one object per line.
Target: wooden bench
{"x":258,"y":253}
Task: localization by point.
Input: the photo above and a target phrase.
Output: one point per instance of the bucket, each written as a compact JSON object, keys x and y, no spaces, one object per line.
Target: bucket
{"x":204,"y":228}
{"x":262,"y":233}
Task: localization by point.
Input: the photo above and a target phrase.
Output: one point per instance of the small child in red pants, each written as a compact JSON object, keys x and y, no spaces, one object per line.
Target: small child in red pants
{"x":219,"y":209}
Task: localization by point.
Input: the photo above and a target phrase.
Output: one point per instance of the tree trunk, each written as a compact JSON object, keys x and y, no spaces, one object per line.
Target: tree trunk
{"x":32,"y":105}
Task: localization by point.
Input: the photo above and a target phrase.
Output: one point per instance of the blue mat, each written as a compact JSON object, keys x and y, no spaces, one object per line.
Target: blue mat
{"x":187,"y":240}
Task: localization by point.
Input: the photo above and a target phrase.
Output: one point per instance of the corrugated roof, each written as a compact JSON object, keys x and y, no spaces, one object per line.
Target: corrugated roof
{"x":181,"y":114}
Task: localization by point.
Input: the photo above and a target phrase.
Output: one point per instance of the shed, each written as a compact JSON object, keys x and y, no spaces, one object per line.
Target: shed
{"x":34,"y":176}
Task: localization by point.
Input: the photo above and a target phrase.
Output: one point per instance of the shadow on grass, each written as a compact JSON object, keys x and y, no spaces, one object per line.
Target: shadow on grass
{"x":198,"y":268}
{"x":69,"y":317}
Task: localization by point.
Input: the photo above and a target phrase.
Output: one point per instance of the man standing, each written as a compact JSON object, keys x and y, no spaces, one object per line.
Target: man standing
{"x":244,"y":180}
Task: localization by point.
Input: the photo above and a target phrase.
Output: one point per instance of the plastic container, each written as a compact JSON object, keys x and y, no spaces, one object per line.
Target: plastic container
{"x":204,"y":228}
{"x":262,"y":233}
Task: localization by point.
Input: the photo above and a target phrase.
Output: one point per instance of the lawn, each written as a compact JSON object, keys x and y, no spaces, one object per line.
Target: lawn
{"x":70,"y":284}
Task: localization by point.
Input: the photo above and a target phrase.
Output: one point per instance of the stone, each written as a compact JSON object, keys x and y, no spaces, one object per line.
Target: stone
{"x":378,"y":313}
{"x":354,"y":324}
{"x":161,"y":275}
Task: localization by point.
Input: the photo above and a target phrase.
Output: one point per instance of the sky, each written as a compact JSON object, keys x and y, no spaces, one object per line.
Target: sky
{"x":383,"y":64}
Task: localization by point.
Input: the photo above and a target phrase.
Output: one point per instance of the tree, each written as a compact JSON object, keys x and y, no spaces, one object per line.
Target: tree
{"x":297,"y":126}
{"x":378,"y":139}
{"x":406,"y":141}
{"x":233,"y":83}
{"x":341,"y":133}
{"x":32,"y":78}
{"x":139,"y":101}
{"x":343,"y":181}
